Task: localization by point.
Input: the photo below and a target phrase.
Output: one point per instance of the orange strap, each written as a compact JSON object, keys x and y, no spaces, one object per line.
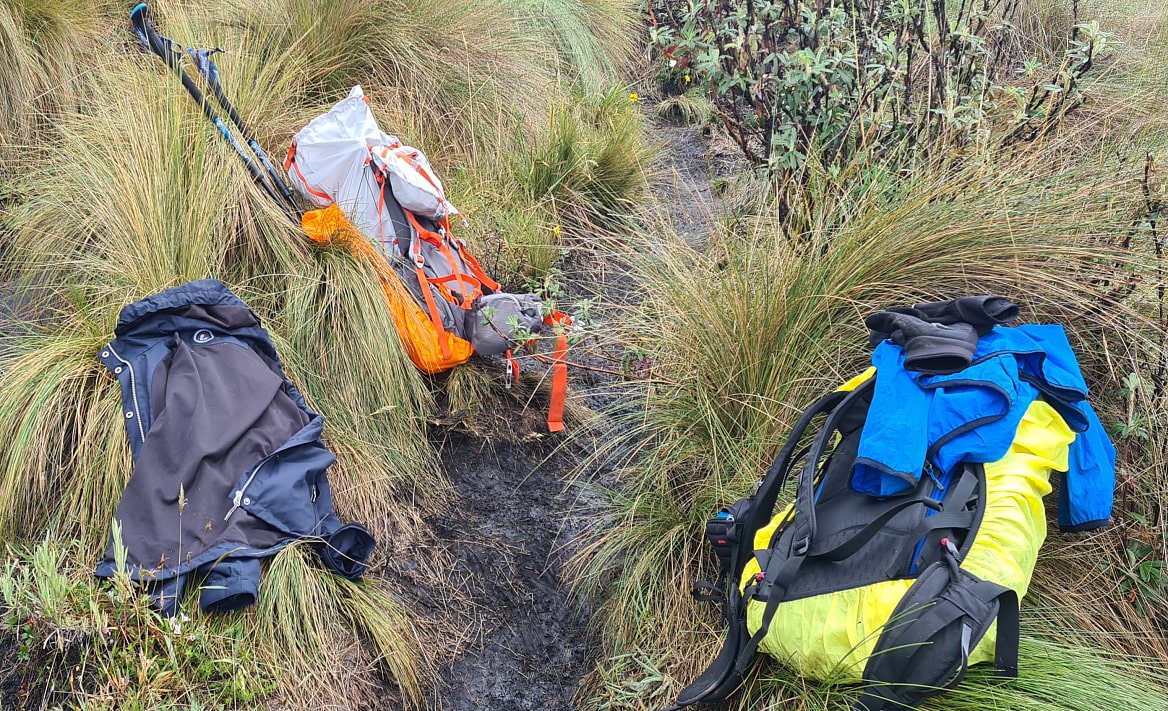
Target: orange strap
{"x":290,"y":165}
{"x":469,"y":294}
{"x":432,"y":307}
{"x":473,"y":263}
{"x":555,"y":420}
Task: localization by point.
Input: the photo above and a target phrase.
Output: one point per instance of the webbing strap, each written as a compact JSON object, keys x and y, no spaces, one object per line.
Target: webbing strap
{"x":723,"y":676}
{"x":854,"y":543}
{"x":431,"y":305}
{"x":473,"y":263}
{"x":802,"y":525}
{"x":779,"y":582}
{"x":290,"y":164}
{"x":776,"y":476}
{"x":1006,"y":644}
{"x":903,"y":643}
{"x":437,"y":240}
{"x":555,"y":419}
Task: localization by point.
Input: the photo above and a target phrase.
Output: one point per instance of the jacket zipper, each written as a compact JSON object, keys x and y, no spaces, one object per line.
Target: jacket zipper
{"x":237,"y":499}
{"x":133,"y":390}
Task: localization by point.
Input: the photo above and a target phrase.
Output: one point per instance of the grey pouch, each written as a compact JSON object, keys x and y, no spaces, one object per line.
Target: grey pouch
{"x":499,"y":321}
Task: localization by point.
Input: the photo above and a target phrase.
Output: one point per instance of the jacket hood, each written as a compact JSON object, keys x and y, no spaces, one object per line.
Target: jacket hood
{"x":202,"y":293}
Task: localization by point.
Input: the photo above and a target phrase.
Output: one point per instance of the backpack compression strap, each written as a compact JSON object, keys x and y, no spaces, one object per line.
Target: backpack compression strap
{"x":771,"y":585}
{"x":560,"y":321}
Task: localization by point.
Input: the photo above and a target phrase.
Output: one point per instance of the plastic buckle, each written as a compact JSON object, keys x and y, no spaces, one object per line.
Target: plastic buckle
{"x":801,"y":546}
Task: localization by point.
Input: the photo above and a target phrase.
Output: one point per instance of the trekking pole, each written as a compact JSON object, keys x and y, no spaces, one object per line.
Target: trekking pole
{"x":206,"y":67}
{"x":164,"y":48}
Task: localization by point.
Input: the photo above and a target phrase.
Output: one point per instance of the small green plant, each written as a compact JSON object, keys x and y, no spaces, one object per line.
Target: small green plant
{"x":1136,"y":424}
{"x":628,"y":682}
{"x":1145,"y":581}
{"x":88,"y":641}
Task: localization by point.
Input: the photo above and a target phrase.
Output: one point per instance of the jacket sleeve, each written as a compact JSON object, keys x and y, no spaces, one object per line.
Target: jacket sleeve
{"x":1088,"y":488}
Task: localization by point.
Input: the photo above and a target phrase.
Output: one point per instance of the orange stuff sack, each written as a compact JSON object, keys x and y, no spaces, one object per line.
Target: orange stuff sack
{"x":328,"y":226}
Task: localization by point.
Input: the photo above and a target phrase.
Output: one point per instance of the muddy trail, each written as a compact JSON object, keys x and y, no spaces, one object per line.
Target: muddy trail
{"x":517,"y":517}
{"x":527,"y":645}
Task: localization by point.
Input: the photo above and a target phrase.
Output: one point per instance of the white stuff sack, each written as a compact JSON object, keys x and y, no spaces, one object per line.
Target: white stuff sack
{"x":414,"y":184}
{"x":331,"y":163}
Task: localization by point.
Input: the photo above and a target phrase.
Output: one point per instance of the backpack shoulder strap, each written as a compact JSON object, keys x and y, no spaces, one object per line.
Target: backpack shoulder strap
{"x":724,"y":675}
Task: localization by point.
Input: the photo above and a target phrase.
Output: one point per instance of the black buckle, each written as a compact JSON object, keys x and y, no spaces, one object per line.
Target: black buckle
{"x":801,"y":546}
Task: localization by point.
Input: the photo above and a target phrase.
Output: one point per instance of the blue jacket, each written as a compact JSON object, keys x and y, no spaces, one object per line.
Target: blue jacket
{"x":926,"y":424}
{"x":229,"y":466}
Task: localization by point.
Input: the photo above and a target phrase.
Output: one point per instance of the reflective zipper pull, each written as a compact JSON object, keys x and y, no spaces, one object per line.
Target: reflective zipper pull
{"x":236,"y":502}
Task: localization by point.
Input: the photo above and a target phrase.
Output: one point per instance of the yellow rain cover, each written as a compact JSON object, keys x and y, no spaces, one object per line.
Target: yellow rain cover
{"x":329,"y":226}
{"x":832,"y":635}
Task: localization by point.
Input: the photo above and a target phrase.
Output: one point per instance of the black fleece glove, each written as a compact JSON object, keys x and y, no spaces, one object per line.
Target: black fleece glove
{"x":933,"y":348}
{"x":981,"y":312}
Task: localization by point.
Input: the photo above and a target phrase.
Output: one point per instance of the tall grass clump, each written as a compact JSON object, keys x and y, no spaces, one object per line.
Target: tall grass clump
{"x":594,"y":39}
{"x":51,"y":49}
{"x":590,"y":166}
{"x":344,"y":354}
{"x":461,"y":74}
{"x":320,"y":631}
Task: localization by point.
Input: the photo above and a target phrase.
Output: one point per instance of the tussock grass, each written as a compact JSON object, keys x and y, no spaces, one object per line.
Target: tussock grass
{"x":56,"y":399}
{"x":591,"y":165}
{"x":593,"y":39}
{"x":691,"y":107}
{"x":309,"y":623}
{"x":462,"y":73}
{"x":50,"y":48}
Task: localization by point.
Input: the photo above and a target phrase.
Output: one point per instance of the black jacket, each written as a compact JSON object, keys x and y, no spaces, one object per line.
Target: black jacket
{"x":229,"y":466}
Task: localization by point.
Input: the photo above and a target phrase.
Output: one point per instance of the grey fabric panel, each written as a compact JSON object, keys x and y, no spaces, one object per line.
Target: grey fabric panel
{"x":438,"y":265}
{"x":841,"y":513}
{"x":494,"y":335}
{"x":453,"y":317}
